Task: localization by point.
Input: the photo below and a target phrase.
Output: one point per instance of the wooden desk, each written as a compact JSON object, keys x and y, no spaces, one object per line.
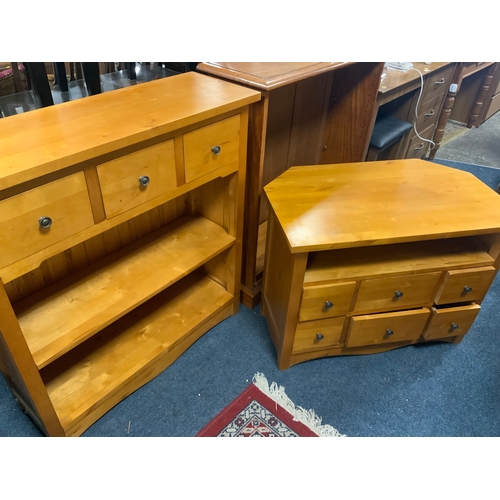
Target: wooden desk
{"x":122,"y":216}
{"x":398,"y":96}
{"x":366,"y":257}
{"x":309,"y":113}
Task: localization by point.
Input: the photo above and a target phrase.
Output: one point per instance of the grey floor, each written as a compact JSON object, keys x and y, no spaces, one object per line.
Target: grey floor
{"x":432,"y":390}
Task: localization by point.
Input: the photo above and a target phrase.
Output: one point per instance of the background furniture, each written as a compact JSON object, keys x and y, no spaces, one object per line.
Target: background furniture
{"x":122,"y":217}
{"x":309,"y":113}
{"x":387,"y":131}
{"x":366,"y":257}
{"x":398,"y":96}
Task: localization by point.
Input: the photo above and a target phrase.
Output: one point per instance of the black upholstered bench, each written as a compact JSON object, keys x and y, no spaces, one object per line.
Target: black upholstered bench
{"x":386,"y":132}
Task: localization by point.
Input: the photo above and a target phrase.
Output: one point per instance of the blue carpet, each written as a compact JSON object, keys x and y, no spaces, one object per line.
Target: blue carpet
{"x":436,"y":389}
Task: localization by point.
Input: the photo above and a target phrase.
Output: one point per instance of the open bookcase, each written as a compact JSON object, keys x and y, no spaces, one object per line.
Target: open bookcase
{"x":123,"y":245}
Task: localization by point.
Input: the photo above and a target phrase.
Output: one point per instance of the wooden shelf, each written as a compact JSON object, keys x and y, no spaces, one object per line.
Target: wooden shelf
{"x":97,"y":374}
{"x":93,"y":298}
{"x":405,"y":258}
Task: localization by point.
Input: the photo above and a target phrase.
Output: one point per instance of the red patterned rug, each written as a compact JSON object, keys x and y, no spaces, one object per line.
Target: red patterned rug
{"x":265,"y":411}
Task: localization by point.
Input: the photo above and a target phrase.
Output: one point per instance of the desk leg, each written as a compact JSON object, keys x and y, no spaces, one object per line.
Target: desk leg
{"x":39,"y":82}
{"x":61,"y":79}
{"x":483,"y":91}
{"x":91,"y":75}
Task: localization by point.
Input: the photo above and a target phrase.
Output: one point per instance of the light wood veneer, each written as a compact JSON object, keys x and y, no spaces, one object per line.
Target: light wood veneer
{"x":144,"y":189}
{"x":367,"y":257}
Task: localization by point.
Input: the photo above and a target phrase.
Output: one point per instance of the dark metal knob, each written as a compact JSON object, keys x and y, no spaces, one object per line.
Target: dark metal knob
{"x":467,"y":289}
{"x":389,"y":332}
{"x":45,"y":222}
{"x":398,"y":294}
{"x":319,"y":336}
{"x":328,"y":304}
{"x":144,"y":180}
{"x":216,"y":150}
{"x":453,"y":326}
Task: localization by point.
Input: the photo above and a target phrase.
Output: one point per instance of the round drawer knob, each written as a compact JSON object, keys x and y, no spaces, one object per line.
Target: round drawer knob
{"x":467,"y":289}
{"x":216,"y":150}
{"x":398,"y":294}
{"x":45,"y":222}
{"x":389,"y":332}
{"x":320,"y":336}
{"x":144,"y":180}
{"x":328,"y":304}
{"x":453,"y":326}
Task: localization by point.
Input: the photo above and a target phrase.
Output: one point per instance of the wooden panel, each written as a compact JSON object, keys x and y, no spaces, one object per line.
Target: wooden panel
{"x":201,"y":158}
{"x":65,"y":201}
{"x":314,"y":300}
{"x":399,"y":292}
{"x":456,"y":284}
{"x":451,"y":321}
{"x":386,"y":328}
{"x":120,"y":178}
{"x":494,"y":106}
{"x":319,"y":334}
{"x":87,"y":301}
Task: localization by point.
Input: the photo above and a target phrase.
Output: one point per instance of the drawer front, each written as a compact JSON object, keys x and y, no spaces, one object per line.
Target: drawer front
{"x":399,"y":292}
{"x":326,"y":301}
{"x":428,"y":113}
{"x":319,"y":334}
{"x":437,"y":83}
{"x":65,"y":202}
{"x":494,"y":106}
{"x":211,"y":147}
{"x":386,"y":328}
{"x":451,"y":321}
{"x":134,"y":179}
{"x":418,"y":148}
{"x":465,"y":285}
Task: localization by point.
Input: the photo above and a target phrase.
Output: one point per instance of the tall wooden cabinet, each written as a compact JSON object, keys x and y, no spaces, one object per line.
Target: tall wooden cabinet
{"x":121,"y":245}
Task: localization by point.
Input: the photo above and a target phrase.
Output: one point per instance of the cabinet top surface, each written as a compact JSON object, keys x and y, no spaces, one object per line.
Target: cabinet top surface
{"x":267,"y":75}
{"x":45,"y":140}
{"x":373,"y":203}
{"x":396,"y":79}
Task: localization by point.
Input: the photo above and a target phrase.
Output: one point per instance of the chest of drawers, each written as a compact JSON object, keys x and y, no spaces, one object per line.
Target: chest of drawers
{"x":371,"y":257}
{"x":122,"y":217}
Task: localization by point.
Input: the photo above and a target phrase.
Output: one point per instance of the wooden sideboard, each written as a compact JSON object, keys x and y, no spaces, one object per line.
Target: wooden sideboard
{"x":310,"y":113}
{"x":363,"y":258}
{"x":121,"y":245}
{"x":399,"y":95}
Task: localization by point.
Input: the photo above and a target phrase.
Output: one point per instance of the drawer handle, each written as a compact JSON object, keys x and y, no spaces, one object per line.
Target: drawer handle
{"x":398,"y":294}
{"x":45,"y":222}
{"x":216,"y":150}
{"x":328,"y":304}
{"x":453,"y":326}
{"x":389,"y":332}
{"x":467,"y":289}
{"x":144,"y":180}
{"x":419,"y":147}
{"x":440,"y":82}
{"x":430,"y":114}
{"x":319,"y":336}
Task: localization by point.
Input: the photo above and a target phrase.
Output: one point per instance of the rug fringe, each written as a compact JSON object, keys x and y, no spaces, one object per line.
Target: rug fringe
{"x":307,"y":417}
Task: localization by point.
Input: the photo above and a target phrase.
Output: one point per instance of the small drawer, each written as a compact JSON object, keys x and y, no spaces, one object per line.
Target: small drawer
{"x":134,"y":179}
{"x":326,"y":301}
{"x":451,"y":321}
{"x":462,"y":285}
{"x":428,"y":114}
{"x":398,"y":292}
{"x":211,"y":147}
{"x":40,"y":217}
{"x":386,"y":327}
{"x":418,"y":148}
{"x":319,"y":334}
{"x":437,"y":82}
{"x":494,"y":106}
